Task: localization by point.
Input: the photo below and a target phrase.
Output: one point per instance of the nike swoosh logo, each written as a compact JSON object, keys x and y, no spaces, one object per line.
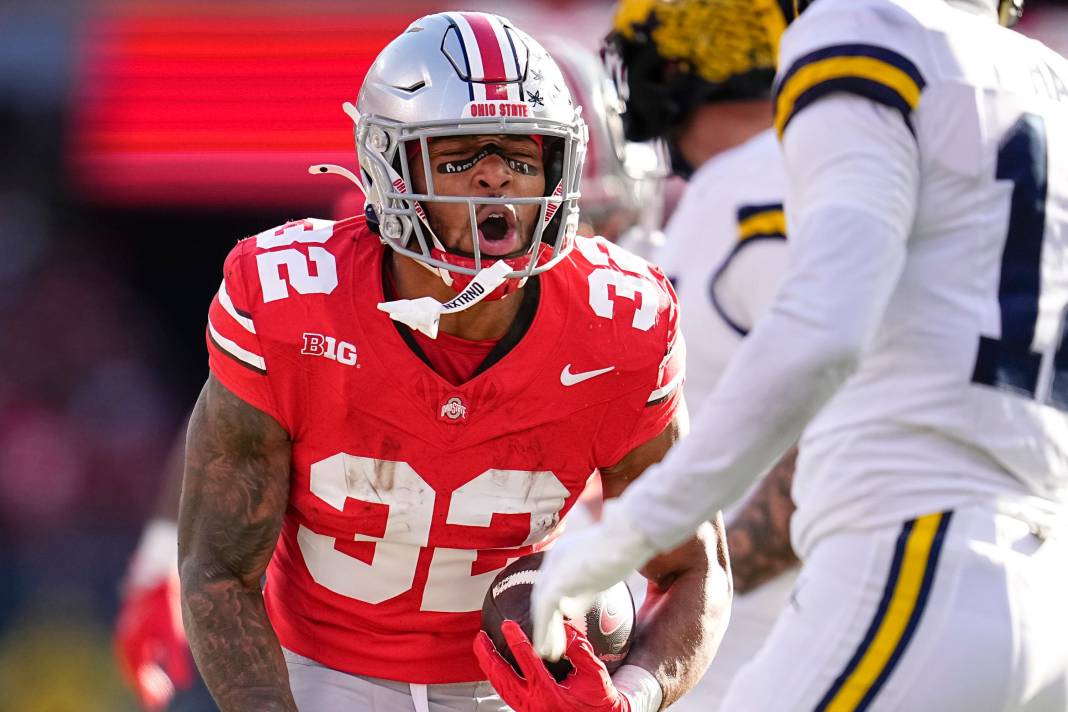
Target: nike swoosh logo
{"x":569,"y":379}
{"x":610,"y":620}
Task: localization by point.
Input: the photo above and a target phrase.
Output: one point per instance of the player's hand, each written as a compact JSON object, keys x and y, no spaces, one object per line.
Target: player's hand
{"x":576,"y":568}
{"x":151,"y":646}
{"x":588,"y":688}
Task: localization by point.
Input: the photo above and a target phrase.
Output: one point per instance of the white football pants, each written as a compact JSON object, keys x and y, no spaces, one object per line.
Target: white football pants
{"x":962,"y":611}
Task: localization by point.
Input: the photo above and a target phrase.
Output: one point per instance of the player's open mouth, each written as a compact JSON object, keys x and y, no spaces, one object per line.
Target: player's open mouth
{"x":497,"y":233}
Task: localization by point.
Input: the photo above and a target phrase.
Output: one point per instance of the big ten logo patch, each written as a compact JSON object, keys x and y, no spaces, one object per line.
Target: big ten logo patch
{"x":328,"y":347}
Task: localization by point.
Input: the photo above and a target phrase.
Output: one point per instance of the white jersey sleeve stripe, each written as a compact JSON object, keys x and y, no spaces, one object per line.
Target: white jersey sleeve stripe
{"x":508,"y":56}
{"x":667,"y":389}
{"x":230,"y":347}
{"x":243,"y":319}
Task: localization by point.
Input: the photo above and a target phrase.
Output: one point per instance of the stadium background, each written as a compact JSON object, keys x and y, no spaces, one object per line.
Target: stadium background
{"x":138,"y":141}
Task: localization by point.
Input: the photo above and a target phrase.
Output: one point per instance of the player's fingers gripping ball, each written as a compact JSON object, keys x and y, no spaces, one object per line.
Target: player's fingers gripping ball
{"x":607,"y":621}
{"x":587,"y":687}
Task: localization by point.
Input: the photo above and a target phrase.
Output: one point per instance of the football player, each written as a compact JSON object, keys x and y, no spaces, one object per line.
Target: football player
{"x":705,"y":94}
{"x":919,"y":334}
{"x":620,"y":199}
{"x":401,"y":403}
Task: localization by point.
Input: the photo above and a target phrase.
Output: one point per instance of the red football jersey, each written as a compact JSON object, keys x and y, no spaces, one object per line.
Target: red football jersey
{"x":408,"y":493}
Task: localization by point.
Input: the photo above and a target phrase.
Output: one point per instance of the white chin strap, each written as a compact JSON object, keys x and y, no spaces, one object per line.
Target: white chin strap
{"x":424,"y":313}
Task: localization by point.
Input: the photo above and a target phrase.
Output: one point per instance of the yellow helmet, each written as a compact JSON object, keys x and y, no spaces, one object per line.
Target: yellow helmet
{"x":670,"y":56}
{"x":717,"y":39}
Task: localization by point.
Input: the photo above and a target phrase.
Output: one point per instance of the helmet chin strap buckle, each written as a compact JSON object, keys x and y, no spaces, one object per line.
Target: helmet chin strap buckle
{"x":424,"y":314}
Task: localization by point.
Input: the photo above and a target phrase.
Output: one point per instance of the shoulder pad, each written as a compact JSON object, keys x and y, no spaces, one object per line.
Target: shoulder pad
{"x":871,"y":49}
{"x":641,"y":284}
{"x":302,"y":247}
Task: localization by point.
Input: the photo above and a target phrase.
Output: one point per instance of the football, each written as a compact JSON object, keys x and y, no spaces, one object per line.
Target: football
{"x":608,"y":623}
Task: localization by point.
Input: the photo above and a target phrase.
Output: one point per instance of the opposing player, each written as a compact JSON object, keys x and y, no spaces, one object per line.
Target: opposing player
{"x":400,"y":405}
{"x":725,"y":246}
{"x":921,"y":325}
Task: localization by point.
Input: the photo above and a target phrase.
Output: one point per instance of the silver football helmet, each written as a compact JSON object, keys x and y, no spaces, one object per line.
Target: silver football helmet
{"x":464,"y":73}
{"x":622,"y":183}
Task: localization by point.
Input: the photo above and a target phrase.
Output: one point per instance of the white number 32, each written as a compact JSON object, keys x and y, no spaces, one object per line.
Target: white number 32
{"x":269,"y":264}
{"x":627,"y":286}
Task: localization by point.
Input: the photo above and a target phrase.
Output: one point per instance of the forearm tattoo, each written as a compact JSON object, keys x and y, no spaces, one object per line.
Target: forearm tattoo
{"x":234,"y":496}
{"x":758,"y":536}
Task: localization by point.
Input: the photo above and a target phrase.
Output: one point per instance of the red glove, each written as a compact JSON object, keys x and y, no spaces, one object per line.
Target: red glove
{"x":151,"y":646}
{"x":588,"y":688}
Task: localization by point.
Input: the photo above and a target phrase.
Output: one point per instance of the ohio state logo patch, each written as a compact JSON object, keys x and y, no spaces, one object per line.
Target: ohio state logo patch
{"x":453,"y":410}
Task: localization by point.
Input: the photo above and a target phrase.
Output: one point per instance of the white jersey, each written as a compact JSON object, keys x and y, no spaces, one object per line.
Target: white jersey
{"x":966,"y":374}
{"x":916,"y":340}
{"x":918,"y":331}
{"x":725,"y":254}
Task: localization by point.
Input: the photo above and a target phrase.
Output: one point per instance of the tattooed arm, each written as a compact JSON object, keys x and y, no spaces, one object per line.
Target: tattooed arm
{"x":758,"y":536}
{"x":233,"y":498}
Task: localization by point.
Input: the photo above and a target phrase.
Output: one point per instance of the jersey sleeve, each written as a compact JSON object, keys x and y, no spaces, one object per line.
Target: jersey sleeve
{"x":662,"y":399}
{"x":744,"y":284}
{"x":235,"y":352}
{"x":852,"y":202}
{"x":838,"y":49}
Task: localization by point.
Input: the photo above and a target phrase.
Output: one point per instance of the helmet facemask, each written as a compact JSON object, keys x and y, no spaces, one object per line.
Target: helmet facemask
{"x":446,"y":93}
{"x":402,"y":213}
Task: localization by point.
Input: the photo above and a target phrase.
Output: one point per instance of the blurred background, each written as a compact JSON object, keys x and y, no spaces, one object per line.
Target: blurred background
{"x":139,"y":141}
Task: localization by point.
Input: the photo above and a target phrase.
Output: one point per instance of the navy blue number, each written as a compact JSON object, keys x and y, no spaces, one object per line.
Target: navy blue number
{"x":1008,"y":363}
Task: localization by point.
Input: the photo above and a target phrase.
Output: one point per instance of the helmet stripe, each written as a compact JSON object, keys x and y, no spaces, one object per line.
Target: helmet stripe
{"x":463,"y":49}
{"x":473,"y":54}
{"x":492,"y":54}
{"x":508,"y":56}
{"x":518,"y":86}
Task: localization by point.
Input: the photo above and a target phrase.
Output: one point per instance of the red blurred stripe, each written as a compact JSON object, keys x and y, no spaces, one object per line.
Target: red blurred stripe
{"x":212,"y":179}
{"x":201,"y":21}
{"x":189,"y":106}
{"x":216,"y":140}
